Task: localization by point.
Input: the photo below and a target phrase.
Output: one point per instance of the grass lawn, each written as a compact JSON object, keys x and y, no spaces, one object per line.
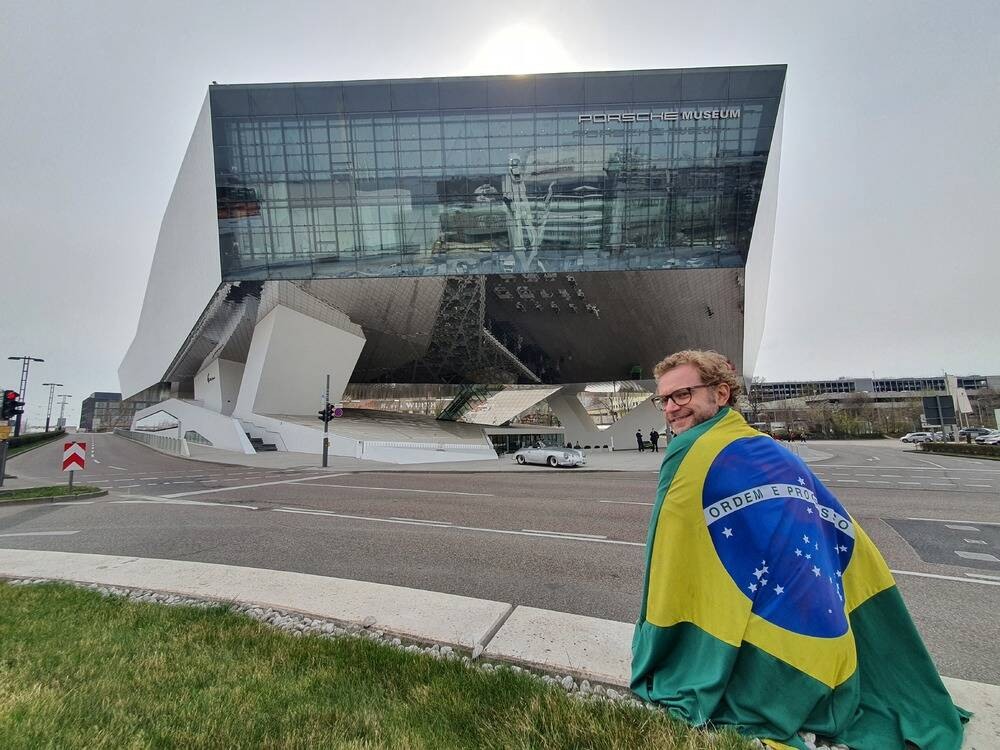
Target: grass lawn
{"x":18,"y":449}
{"x":51,"y":491}
{"x":80,"y":670}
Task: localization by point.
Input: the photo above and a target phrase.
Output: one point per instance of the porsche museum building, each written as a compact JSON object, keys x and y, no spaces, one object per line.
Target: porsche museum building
{"x":503,"y":235}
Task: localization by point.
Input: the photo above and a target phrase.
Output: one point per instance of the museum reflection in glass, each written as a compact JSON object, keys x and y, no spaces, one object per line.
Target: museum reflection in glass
{"x":561,"y":173}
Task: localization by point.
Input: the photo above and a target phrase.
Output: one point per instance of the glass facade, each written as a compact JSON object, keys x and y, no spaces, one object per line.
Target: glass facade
{"x":452,"y":176}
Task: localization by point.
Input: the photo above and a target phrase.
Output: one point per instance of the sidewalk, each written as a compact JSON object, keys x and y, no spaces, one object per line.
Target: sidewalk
{"x":585,"y":647}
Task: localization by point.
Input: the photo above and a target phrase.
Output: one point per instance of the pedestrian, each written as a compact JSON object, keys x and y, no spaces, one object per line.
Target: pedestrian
{"x":654,"y":438}
{"x":639,"y":440}
{"x":765,"y":606}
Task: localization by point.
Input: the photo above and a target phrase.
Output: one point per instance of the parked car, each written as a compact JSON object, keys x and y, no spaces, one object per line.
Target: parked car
{"x":974,"y":432}
{"x":918,"y":437}
{"x":990,"y":438}
{"x":543,"y":454}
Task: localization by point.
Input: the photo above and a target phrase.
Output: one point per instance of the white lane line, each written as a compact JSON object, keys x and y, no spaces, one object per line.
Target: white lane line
{"x":396,"y":489}
{"x":42,"y":533}
{"x":940,"y":484}
{"x":983,"y":575}
{"x":142,"y":500}
{"x":191,"y":481}
{"x":623,"y":502}
{"x":247,"y":486}
{"x":859,"y":474}
{"x":952,"y":520}
{"x":960,"y":527}
{"x":566,"y":533}
{"x":119,"y":468}
{"x":74,"y":502}
{"x":461,"y":528}
{"x":989,"y":486}
{"x":847,"y":481}
{"x":422,"y":520}
{"x":975,"y":541}
{"x":127,"y":486}
{"x":879,"y":481}
{"x":984,"y":556}
{"x":95,"y":460}
{"x":892,"y":476}
{"x":911,"y":468}
{"x":916,"y":483}
{"x":942,"y":578}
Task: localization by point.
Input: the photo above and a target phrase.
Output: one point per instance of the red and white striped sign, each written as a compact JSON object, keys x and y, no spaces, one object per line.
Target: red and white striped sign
{"x":74,"y":456}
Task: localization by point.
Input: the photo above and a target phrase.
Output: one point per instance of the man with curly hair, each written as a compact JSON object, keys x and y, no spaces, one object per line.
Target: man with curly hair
{"x":765,"y":606}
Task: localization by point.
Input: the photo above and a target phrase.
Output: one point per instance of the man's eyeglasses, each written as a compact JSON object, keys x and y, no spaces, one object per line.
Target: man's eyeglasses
{"x":681,"y":397}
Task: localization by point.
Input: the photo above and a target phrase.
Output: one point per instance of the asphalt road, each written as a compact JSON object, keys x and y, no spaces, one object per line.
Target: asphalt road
{"x":562,"y":539}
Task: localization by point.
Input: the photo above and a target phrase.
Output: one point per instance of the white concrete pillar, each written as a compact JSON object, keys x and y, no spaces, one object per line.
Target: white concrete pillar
{"x":290,"y":356}
{"x":217,"y":385}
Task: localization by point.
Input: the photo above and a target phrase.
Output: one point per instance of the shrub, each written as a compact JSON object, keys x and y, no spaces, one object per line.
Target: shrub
{"x":963,"y":449}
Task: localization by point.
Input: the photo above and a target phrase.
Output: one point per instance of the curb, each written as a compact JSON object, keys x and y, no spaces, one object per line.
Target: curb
{"x":52,"y":498}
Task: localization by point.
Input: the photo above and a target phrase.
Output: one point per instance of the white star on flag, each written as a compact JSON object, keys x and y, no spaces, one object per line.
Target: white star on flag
{"x":763,"y":581}
{"x":843,"y":548}
{"x":753,"y":588}
{"x":798,"y":553}
{"x":779,"y":590}
{"x":805,"y":539}
{"x":839,"y":575}
{"x":802,"y":481}
{"x":809,"y":557}
{"x":816,"y":546}
{"x":816,"y":571}
{"x":809,"y":511}
{"x":765,"y":569}
{"x":727,"y":533}
{"x":758,"y":572}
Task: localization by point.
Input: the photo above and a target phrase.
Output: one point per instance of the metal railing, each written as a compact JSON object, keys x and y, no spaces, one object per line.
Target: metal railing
{"x":175,"y":446}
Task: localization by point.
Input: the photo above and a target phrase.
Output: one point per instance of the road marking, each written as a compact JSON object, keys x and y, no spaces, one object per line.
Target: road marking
{"x":74,"y":502}
{"x":119,"y":468}
{"x":911,"y":468}
{"x":893,"y":476}
{"x":940,"y":484}
{"x":975,"y":541}
{"x":127,"y":486}
{"x":952,"y":520}
{"x":422,"y":520}
{"x":95,"y":460}
{"x":989,"y":486}
{"x":396,"y":489}
{"x":917,"y":483}
{"x":845,"y":481}
{"x":985,"y":556}
{"x":247,"y":486}
{"x":983,"y":575}
{"x":42,"y":533}
{"x":566,"y":533}
{"x":859,"y":474}
{"x":510,"y":532}
{"x":942,"y":578}
{"x":623,"y":502}
{"x":141,"y":500}
{"x":959,"y":527}
{"x":879,"y":481}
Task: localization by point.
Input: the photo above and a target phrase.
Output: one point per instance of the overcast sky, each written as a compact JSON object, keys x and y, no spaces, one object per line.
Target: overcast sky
{"x":888,"y":228}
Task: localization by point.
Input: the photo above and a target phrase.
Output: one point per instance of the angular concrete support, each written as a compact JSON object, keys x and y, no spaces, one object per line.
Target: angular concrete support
{"x":217,"y":385}
{"x":580,"y":428}
{"x":289,"y":359}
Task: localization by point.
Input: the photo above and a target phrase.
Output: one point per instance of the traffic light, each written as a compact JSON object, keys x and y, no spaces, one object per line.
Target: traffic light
{"x":12,"y":407}
{"x":326,"y":414}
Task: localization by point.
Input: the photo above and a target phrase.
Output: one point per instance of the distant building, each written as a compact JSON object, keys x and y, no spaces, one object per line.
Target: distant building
{"x":875,"y":387}
{"x":104,"y":411}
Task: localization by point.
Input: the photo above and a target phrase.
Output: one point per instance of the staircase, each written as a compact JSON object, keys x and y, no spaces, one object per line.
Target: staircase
{"x":260,"y":446}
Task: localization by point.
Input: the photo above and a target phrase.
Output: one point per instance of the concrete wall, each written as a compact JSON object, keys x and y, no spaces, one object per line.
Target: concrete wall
{"x":758,"y":269}
{"x":217,"y":385}
{"x":222,"y":431}
{"x":290,"y":356}
{"x":186,"y":268}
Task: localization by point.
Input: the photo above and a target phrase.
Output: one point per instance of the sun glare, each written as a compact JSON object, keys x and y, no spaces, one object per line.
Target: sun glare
{"x":521,"y":48}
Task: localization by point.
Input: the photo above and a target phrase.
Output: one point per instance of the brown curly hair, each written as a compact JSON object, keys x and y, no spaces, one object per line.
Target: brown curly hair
{"x":711,"y":366}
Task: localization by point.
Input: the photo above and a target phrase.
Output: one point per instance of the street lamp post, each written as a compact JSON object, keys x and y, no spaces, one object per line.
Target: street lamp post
{"x":25,"y":364}
{"x":62,"y":408}
{"x":52,"y":393}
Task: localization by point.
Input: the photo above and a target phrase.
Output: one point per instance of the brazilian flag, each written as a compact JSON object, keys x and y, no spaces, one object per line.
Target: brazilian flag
{"x":767,"y":608}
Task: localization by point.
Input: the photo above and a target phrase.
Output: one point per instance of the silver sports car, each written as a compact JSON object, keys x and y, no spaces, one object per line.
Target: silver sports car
{"x":546,"y":454}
